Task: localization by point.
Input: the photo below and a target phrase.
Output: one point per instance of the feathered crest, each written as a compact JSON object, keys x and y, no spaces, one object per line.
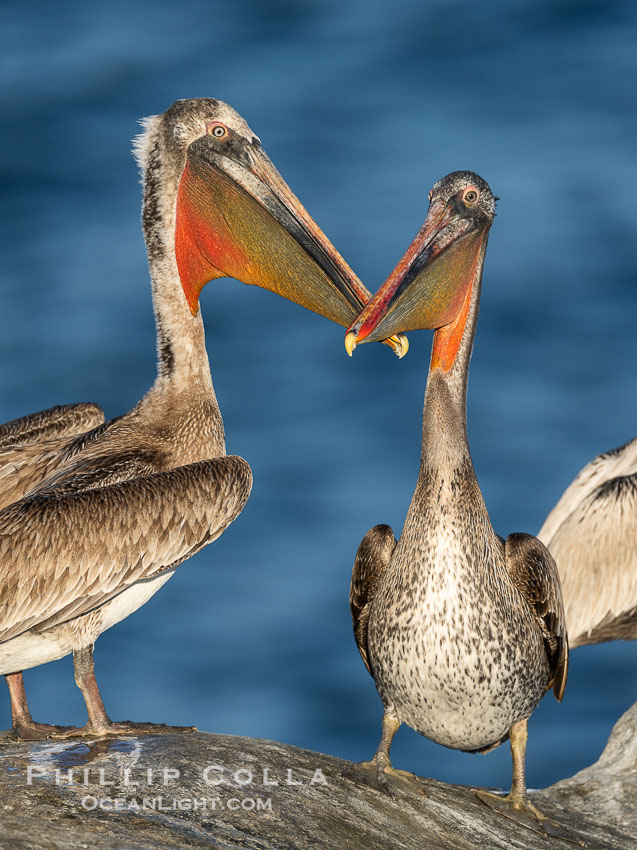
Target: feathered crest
{"x":141,"y":142}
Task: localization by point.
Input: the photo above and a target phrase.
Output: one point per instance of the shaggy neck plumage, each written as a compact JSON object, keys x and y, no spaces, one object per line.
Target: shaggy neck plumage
{"x":181,"y":346}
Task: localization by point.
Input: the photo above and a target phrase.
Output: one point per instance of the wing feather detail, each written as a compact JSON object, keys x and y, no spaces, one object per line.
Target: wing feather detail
{"x":35,"y":447}
{"x":534,"y":572}
{"x":75,"y":551}
{"x":592,"y":534}
{"x":59,"y":421}
{"x":372,"y":559}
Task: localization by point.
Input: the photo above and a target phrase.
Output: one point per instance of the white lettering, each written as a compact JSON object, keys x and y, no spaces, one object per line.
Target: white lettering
{"x":266,"y":777}
{"x":243,"y":772}
{"x":292,"y":781}
{"x":34,"y":771}
{"x":68,"y":777}
{"x":103,"y":779}
{"x":127,"y":780}
{"x":170,"y":773}
{"x":213,"y":781}
{"x":318,"y":777}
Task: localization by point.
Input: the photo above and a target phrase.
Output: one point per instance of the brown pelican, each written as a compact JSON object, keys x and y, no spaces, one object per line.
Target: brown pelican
{"x":592,"y":534}
{"x":462,"y":631}
{"x":60,"y":421}
{"x":110,"y":514}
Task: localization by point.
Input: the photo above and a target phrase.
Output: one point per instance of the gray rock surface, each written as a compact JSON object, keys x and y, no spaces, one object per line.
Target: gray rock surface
{"x":312,"y":806}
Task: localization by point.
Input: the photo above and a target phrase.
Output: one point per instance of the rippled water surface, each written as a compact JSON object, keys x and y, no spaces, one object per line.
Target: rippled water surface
{"x":362,"y":106}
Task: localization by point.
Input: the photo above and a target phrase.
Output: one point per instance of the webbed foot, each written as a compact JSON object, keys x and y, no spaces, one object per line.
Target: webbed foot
{"x":522,"y":811}
{"x":29,"y":730}
{"x":117,"y":728}
{"x":381,"y":776}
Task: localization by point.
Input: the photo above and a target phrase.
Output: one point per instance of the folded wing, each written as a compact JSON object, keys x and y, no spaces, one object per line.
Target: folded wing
{"x":65,"y":555}
{"x":372,"y":559}
{"x":534,"y":573}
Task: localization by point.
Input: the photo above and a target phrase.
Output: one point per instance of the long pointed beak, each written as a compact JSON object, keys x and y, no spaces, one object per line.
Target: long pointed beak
{"x":427,"y":287}
{"x":237,"y":217}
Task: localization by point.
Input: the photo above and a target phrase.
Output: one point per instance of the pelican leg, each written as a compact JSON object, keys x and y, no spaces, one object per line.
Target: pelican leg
{"x":516,"y":805}
{"x":25,"y":727}
{"x":99,"y":724}
{"x":84,"y":669}
{"x":379,"y":772}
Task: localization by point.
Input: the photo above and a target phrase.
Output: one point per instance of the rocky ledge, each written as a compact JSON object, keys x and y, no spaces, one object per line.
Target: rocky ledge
{"x":219,"y":791}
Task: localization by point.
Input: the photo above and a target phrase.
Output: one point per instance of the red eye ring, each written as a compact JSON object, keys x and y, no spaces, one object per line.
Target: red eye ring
{"x":217,"y":129}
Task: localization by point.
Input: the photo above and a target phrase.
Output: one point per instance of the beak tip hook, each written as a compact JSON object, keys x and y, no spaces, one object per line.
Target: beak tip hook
{"x":350,"y":342}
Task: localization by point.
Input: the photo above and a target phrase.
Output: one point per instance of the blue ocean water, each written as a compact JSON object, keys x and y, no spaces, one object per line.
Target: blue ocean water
{"x":362,"y":106}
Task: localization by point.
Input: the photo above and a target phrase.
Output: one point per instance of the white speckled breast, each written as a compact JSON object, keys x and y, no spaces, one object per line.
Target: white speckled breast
{"x":454,"y":648}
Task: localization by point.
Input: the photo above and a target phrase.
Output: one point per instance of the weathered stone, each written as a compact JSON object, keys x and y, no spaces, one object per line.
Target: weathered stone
{"x":312,"y":806}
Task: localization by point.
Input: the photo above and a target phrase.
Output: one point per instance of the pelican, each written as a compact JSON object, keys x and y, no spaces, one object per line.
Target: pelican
{"x":592,"y":534}
{"x":104,"y":518}
{"x":462,"y":631}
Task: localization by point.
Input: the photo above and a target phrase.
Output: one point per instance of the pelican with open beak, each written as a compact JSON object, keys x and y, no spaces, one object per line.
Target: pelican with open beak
{"x":430,"y":287}
{"x":462,"y":631}
{"x":236,"y":217}
{"x":95,"y":523}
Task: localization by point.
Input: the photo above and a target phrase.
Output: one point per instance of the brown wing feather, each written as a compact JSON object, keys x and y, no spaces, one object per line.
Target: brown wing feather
{"x":34,"y":447}
{"x":534,"y":572}
{"x":372,"y":559}
{"x":58,"y":421}
{"x":89,"y":473}
{"x":24,"y":467}
{"x":63,"y":555}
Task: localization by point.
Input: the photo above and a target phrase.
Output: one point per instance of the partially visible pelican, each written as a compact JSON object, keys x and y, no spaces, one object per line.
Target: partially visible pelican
{"x":462,"y":631}
{"x":592,"y":534}
{"x":110,"y":514}
{"x":61,"y":421}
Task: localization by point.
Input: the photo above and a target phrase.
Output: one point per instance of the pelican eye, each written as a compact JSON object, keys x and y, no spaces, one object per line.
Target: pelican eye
{"x":219,"y":131}
{"x":470,"y":197}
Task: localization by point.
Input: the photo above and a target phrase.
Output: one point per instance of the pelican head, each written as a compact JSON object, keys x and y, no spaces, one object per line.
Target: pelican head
{"x":234,"y":215}
{"x":429,"y":287}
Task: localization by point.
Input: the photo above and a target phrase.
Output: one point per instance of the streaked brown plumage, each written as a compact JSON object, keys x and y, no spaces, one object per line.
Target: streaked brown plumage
{"x":118,"y":508}
{"x":462,"y":631}
{"x":372,"y":560}
{"x":44,"y":529}
{"x":58,"y":421}
{"x":31,"y":447}
{"x":592,"y":534}
{"x":53,"y":426}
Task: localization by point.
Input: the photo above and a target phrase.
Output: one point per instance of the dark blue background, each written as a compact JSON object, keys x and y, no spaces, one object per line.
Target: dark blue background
{"x":362,"y":106}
